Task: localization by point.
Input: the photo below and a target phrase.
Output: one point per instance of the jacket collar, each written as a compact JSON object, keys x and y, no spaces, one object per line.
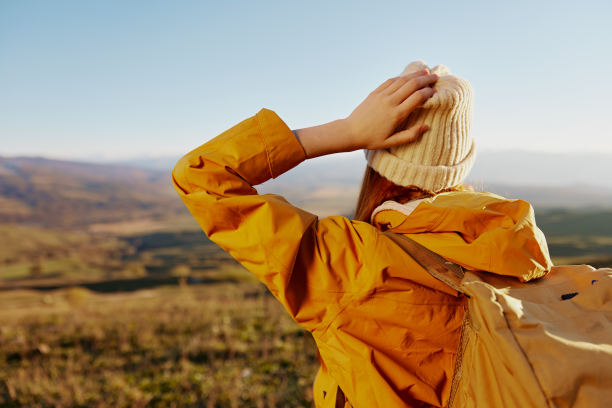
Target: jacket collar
{"x":406,"y":208}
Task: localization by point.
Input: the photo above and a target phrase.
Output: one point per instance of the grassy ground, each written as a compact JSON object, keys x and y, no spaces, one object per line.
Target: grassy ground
{"x":216,"y":345}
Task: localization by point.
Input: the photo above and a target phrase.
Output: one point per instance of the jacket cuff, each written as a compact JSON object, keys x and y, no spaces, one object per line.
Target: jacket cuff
{"x":283,"y":149}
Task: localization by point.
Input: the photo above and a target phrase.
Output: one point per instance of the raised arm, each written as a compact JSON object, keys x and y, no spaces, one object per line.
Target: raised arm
{"x":287,"y":248}
{"x":309,"y":265}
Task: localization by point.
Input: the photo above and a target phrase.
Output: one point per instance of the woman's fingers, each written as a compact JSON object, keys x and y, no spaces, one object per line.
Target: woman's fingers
{"x":415,"y":100}
{"x":405,"y":136}
{"x":412,"y":86}
{"x":400,"y":81}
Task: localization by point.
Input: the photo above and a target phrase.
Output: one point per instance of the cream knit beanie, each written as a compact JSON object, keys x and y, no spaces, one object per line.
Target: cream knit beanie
{"x":444,"y":155}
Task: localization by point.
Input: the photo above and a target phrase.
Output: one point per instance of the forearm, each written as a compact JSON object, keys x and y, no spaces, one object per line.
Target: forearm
{"x":332,"y":137}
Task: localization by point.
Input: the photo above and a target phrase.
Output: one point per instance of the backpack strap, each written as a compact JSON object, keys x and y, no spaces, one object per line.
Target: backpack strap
{"x":449,"y":273}
{"x":438,"y":267}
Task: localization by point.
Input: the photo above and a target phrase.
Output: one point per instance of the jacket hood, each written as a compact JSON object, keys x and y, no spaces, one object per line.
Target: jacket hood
{"x":479,"y":231}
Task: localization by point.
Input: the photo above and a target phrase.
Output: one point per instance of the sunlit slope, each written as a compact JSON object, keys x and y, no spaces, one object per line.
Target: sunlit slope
{"x":55,"y":193}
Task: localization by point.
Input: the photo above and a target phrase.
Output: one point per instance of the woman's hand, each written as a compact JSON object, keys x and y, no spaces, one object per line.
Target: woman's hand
{"x":373,"y":124}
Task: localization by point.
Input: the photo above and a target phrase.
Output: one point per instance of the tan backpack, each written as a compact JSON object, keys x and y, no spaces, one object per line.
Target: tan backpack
{"x":543,"y":343}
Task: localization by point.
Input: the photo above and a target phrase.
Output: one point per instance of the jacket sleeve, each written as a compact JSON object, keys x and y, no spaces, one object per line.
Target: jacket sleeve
{"x":310,"y":266}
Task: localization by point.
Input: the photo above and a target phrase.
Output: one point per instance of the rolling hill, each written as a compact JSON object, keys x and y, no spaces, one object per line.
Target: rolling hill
{"x":54,"y":193}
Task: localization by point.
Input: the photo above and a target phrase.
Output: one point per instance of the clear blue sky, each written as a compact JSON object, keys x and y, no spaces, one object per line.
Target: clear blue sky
{"x":114,"y":79}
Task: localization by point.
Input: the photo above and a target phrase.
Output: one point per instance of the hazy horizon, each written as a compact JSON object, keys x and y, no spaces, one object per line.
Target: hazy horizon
{"x":102,"y":159}
{"x":501,"y":167}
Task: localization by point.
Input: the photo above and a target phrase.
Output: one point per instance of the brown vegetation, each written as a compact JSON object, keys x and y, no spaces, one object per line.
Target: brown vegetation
{"x":222,"y":345}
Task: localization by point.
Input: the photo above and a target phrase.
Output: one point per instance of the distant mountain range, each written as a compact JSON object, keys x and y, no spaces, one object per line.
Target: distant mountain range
{"x":71,"y":194}
{"x":545,"y":180}
{"x":59,"y":193}
{"x":544,"y":169}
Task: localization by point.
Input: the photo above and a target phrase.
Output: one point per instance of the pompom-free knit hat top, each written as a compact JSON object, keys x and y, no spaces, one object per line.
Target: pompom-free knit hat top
{"x":444,"y":155}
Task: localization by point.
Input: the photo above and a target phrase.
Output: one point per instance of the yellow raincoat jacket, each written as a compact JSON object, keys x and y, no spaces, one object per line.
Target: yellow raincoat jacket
{"x":386,"y":330}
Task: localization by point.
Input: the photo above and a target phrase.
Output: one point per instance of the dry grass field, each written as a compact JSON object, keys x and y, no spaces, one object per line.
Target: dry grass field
{"x":227,"y":344}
